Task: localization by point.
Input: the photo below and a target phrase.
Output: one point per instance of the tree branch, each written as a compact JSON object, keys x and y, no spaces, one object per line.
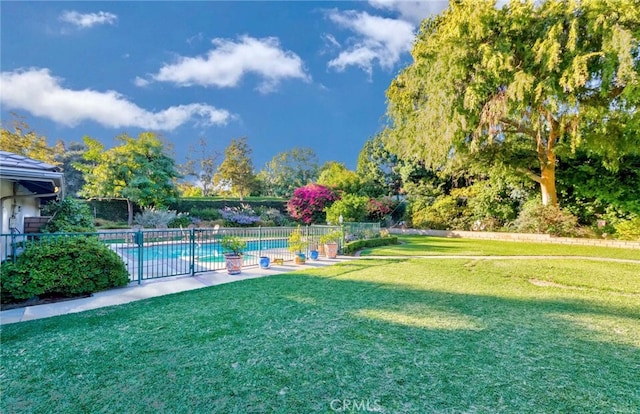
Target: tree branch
{"x":531,"y":175}
{"x":519,"y":127}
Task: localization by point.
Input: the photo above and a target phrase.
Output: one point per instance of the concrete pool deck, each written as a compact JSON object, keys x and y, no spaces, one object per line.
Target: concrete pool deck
{"x":152,"y":288}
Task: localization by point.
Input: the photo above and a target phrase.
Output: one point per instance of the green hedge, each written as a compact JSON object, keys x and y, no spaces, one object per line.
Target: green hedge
{"x":116,"y":210}
{"x":61,"y":266}
{"x":111,"y":210}
{"x":352,"y":247}
{"x":189,"y":205}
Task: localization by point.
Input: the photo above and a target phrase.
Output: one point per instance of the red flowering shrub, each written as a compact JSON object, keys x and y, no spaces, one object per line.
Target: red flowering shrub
{"x":377,"y":210}
{"x":308,"y":203}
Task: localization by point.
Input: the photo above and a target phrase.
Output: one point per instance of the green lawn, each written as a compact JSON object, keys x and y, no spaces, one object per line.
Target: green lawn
{"x":395,"y":335}
{"x":437,"y":246}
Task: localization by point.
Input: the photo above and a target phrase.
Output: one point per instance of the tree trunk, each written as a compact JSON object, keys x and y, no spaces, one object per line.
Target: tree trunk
{"x":129,"y":212}
{"x":547,"y":158}
{"x":548,"y":184}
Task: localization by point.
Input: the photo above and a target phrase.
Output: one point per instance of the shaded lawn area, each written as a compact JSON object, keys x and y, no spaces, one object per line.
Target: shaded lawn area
{"x":401,"y":335}
{"x":436,"y":246}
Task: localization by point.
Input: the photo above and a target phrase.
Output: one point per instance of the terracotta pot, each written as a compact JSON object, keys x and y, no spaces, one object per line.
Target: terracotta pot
{"x":234,"y":263}
{"x":331,"y":250}
{"x":321,"y":251}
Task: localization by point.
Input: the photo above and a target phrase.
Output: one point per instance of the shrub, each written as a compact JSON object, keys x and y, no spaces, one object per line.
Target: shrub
{"x":308,"y":203}
{"x":446,"y":212}
{"x":353,"y":247}
{"x":152,"y":217}
{"x":273,"y":217}
{"x":69,"y":216}
{"x":378,"y":210}
{"x":416,"y":212}
{"x":352,"y":207}
{"x":191,"y":205}
{"x":107,"y":224}
{"x":206,"y":213}
{"x":297,"y":242}
{"x":538,"y":218}
{"x":496,"y":201}
{"x":181,"y":220}
{"x":628,"y":229}
{"x":443,"y":213}
{"x":233,"y":245}
{"x":332,"y":236}
{"x":239,"y":216}
{"x":62,"y":266}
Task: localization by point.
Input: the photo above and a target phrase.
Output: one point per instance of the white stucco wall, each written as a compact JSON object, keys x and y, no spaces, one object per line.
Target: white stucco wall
{"x":19,"y":207}
{"x":6,"y":189}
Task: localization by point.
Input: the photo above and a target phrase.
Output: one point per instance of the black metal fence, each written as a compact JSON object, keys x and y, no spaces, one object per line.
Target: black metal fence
{"x":151,"y":254}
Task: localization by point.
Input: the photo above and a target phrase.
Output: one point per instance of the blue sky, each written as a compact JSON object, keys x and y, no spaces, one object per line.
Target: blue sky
{"x":284,"y":74}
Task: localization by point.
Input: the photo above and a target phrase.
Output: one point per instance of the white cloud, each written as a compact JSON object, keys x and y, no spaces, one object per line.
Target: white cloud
{"x":331,"y":40}
{"x":376,"y":39}
{"x":141,"y":82}
{"x":86,"y":20}
{"x":41,"y":94}
{"x":226,"y":64}
{"x":411,"y":11}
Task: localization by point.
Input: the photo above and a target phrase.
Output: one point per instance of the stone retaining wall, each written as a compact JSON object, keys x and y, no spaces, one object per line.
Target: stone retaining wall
{"x":522,"y":237}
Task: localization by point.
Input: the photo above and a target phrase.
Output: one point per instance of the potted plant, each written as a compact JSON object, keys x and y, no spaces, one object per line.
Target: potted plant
{"x":264,"y":262}
{"x":313,"y":250}
{"x":330,"y":242}
{"x":297,"y":244}
{"x":232,"y":247}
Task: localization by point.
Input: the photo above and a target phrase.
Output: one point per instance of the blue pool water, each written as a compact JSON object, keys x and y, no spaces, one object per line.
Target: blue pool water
{"x":204,"y":251}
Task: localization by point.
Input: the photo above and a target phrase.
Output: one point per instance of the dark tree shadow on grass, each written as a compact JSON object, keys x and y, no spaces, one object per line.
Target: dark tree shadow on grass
{"x":297,"y":342}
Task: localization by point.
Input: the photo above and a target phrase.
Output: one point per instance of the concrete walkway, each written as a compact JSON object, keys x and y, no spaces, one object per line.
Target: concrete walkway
{"x":151,"y":288}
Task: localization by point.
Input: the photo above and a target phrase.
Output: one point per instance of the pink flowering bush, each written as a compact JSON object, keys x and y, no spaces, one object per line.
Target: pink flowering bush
{"x":377,"y":210}
{"x":308,"y":203}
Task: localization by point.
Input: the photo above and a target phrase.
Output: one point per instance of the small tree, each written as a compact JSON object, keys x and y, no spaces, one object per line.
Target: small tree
{"x":24,"y":141}
{"x":338,"y":177}
{"x":71,"y":160}
{"x":138,"y":171}
{"x":308,"y":203}
{"x":289,"y":170}
{"x":237,"y":169}
{"x":378,"y":169}
{"x":202,"y":167}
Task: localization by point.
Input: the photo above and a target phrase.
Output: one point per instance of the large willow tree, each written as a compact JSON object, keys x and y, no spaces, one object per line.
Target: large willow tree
{"x":521,"y":83}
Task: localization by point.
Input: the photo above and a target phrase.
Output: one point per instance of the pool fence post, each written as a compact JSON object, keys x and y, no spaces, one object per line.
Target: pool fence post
{"x":307,"y":239}
{"x":139,"y":239}
{"x":192,"y":246}
{"x":259,"y":241}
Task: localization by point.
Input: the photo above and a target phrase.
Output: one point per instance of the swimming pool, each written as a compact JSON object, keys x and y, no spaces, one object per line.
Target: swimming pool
{"x":204,"y":252}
